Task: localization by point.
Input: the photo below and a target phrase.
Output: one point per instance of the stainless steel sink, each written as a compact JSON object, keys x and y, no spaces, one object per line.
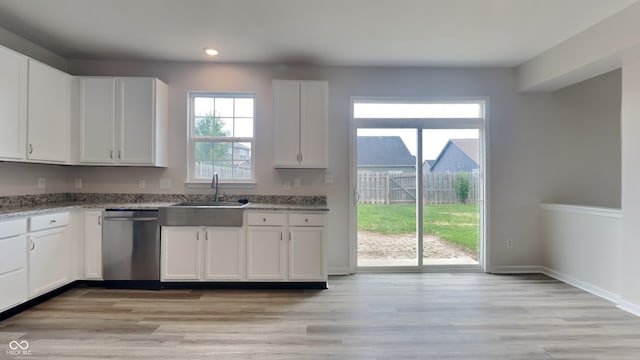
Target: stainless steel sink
{"x":207,"y":213}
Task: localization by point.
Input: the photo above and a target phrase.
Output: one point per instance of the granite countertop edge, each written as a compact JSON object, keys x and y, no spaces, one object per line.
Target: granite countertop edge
{"x":57,"y":207}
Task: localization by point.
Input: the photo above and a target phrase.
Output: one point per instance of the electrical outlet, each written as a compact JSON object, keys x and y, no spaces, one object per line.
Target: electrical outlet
{"x":509,"y":243}
{"x":328,"y":178}
{"x":41,"y":183}
{"x":286,"y":186}
{"x":77,"y":183}
{"x":297,"y":182}
{"x":142,"y":183}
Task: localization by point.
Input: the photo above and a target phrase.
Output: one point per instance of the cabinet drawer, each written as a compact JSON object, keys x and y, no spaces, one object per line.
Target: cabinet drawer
{"x":48,"y":221}
{"x":13,"y":227}
{"x":267,"y":219}
{"x":306,"y":220}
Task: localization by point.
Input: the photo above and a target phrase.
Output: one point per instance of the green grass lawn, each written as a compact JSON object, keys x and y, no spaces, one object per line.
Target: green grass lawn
{"x":457,"y":223}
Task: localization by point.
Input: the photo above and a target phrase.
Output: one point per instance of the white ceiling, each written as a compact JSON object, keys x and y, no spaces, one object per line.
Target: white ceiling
{"x":324,"y":32}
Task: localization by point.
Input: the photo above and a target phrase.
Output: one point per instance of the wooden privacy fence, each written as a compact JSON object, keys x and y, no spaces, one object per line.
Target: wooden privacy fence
{"x":206,"y":171}
{"x":389,"y":188}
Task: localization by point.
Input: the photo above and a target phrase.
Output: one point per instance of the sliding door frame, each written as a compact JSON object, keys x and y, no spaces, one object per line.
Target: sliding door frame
{"x":420,"y":124}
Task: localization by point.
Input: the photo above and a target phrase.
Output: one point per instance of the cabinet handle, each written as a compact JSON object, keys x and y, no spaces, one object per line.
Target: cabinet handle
{"x":33,"y":245}
{"x":280,"y":235}
{"x":52,"y":221}
{"x":206,"y":235}
{"x":306,"y":220}
{"x":289,"y":236}
{"x":264,"y":219}
{"x":111,"y":154}
{"x":198,"y":235}
{"x":300,"y":157}
{"x":119,"y":154}
{"x":30,"y":149}
{"x":100,"y":220}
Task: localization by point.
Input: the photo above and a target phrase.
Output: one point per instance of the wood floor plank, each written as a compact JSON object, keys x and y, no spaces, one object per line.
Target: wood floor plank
{"x":364,"y":316}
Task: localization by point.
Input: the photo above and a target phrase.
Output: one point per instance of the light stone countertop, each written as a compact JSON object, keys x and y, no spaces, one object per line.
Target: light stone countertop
{"x":24,"y":211}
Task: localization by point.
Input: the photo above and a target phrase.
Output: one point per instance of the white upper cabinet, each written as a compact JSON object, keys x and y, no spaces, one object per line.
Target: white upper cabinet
{"x":301,"y":117}
{"x":13,"y":105}
{"x":48,"y":114}
{"x":97,"y":119}
{"x":123,"y":121}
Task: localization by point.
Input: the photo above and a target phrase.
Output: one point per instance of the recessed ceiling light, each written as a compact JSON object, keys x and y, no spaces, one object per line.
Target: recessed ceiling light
{"x":211,"y":52}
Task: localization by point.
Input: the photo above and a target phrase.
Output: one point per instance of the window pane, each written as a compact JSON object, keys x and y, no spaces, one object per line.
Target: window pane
{"x":203,"y":167}
{"x":244,"y":107}
{"x":242,"y":160}
{"x":203,"y":126}
{"x":224,"y":107}
{"x":202,"y":106}
{"x":417,"y":110}
{"x":225,"y":127}
{"x":243,"y":127}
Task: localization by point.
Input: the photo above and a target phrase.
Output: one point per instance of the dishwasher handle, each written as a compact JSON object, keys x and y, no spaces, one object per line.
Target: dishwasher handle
{"x":130,"y":219}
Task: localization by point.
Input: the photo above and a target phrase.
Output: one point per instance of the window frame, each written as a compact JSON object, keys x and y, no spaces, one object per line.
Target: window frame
{"x":192,"y":181}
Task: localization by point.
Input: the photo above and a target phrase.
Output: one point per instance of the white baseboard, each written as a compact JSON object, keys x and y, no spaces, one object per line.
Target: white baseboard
{"x":595,"y":290}
{"x":516,"y":269}
{"x":629,"y":307}
{"x":339,"y":271}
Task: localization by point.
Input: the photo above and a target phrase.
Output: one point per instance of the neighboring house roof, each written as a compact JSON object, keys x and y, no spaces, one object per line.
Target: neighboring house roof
{"x":458,"y":155}
{"x":469,"y":147}
{"x":429,"y":163}
{"x":383,"y":151}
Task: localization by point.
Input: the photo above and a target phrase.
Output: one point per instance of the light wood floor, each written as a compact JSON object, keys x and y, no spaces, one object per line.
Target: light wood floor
{"x":365,"y":316}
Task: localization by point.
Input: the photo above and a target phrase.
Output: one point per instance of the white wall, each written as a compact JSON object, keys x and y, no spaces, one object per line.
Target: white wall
{"x":583,"y":246}
{"x":631,"y":181}
{"x":579,"y":155}
{"x":22,"y":178}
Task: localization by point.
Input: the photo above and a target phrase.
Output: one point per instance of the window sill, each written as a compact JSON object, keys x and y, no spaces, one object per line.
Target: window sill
{"x":250,"y":184}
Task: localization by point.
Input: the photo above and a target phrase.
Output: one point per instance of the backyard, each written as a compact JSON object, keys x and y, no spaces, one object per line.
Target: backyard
{"x":450,"y":230}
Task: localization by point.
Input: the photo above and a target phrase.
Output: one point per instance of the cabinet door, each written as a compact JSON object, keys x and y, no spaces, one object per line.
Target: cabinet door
{"x":313,"y":124}
{"x":306,"y":253}
{"x":13,"y":271}
{"x":181,"y":258}
{"x":48,"y":260}
{"x":223,"y":253}
{"x":136,"y":112}
{"x":93,"y":245}
{"x":286,"y":96}
{"x":13,"y":104}
{"x":49,"y":113}
{"x":265,"y":253}
{"x":97,"y":120}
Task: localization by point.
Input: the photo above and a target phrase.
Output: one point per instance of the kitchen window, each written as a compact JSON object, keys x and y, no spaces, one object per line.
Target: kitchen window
{"x":221,"y":128}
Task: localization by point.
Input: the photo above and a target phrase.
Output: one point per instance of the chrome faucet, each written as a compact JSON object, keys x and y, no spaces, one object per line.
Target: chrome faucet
{"x":214,"y":185}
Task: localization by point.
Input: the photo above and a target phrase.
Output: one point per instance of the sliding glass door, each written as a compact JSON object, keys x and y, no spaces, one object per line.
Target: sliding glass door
{"x":418,"y":184}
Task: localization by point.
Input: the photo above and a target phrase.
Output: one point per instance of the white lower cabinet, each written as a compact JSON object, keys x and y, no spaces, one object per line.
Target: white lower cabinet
{"x":201,"y":253}
{"x":273,"y":246}
{"x":307,"y":254}
{"x":93,"y":245}
{"x":266,"y":253}
{"x":13,"y":263}
{"x":49,"y":253}
{"x":286,"y":246}
{"x":224,"y":253}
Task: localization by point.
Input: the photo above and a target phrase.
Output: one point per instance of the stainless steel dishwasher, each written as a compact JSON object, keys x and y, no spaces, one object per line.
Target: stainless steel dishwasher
{"x":131,"y":246}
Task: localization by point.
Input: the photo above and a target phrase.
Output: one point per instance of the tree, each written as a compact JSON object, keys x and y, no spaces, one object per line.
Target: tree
{"x":462,"y":186}
{"x":210,"y":126}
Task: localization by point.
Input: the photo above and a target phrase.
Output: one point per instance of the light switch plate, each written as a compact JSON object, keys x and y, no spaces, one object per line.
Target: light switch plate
{"x":41,"y":183}
{"x":142,"y":183}
{"x":77,"y":183}
{"x":328,"y":178}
